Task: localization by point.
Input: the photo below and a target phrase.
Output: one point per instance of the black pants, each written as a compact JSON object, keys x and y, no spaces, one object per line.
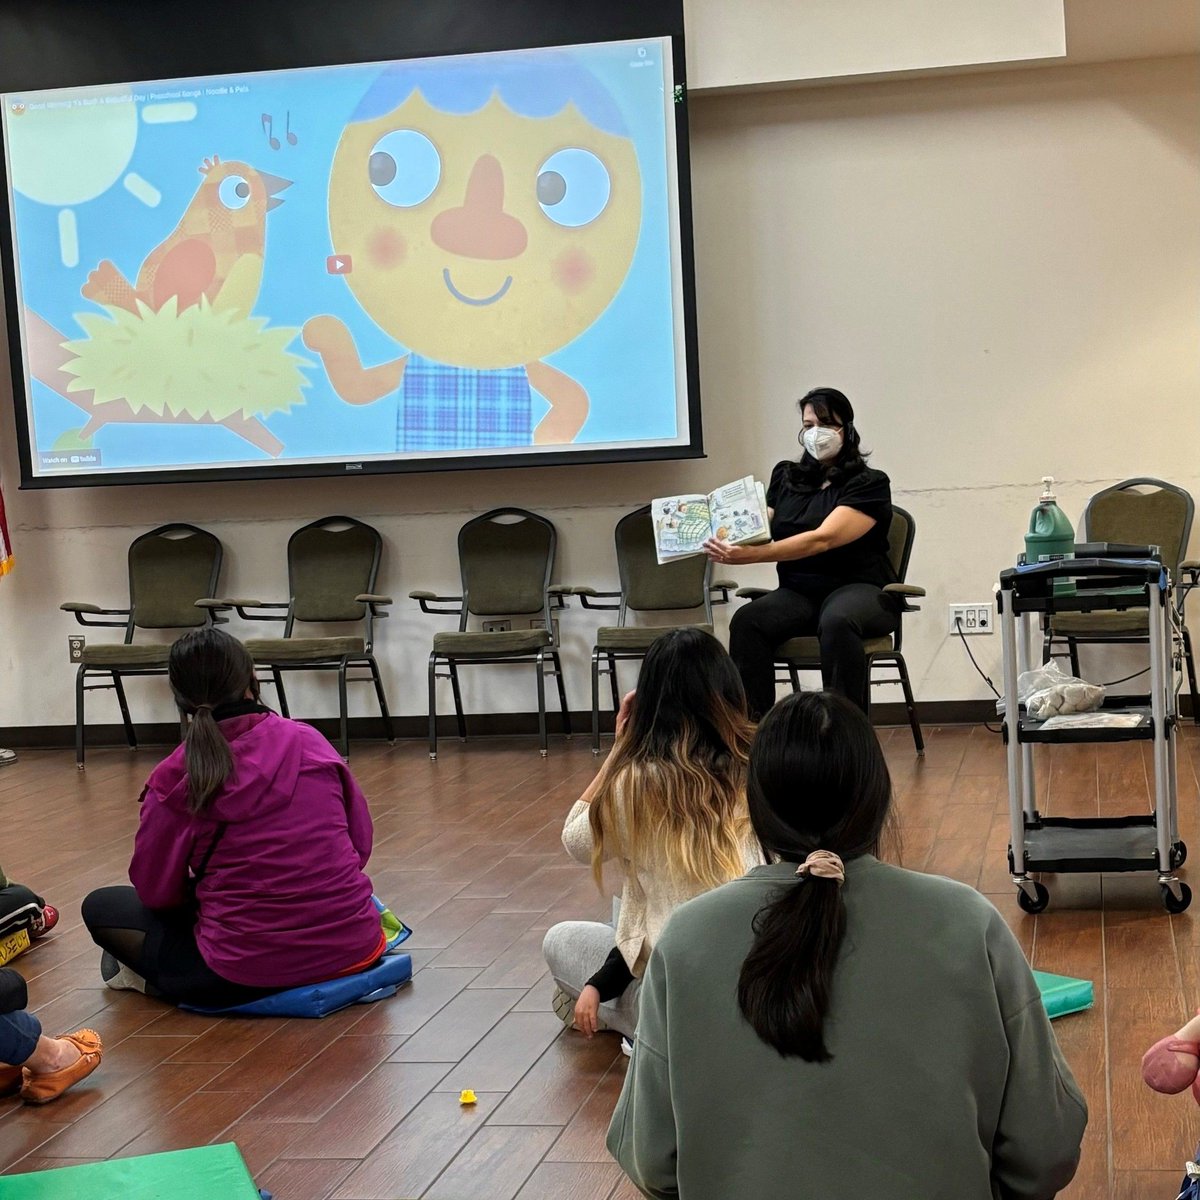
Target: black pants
{"x":840,"y":619}
{"x":160,"y":946}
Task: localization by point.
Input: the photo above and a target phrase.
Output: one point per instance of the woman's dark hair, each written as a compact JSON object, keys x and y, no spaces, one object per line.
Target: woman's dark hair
{"x":687,"y":687}
{"x":818,"y":781}
{"x":830,"y":405}
{"x":208,"y":668}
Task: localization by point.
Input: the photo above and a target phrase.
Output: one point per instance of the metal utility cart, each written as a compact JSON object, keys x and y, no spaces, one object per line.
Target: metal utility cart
{"x":1136,"y":842}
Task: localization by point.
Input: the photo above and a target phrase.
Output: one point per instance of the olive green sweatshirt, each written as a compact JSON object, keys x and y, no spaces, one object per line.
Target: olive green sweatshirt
{"x":946,"y":1082}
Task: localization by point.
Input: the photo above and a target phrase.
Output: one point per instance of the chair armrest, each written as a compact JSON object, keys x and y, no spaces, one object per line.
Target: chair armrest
{"x":79,"y":609}
{"x":904,"y":591}
{"x":424,"y":599}
{"x":1189,"y":571}
{"x":558,"y":593}
{"x":215,"y":608}
{"x":374,"y":602}
{"x":242,"y":603}
{"x":751,"y":593}
{"x":719,"y":590}
{"x":588,"y":596}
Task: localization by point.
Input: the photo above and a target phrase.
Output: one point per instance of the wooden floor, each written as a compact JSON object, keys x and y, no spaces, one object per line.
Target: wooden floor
{"x":365,"y":1103}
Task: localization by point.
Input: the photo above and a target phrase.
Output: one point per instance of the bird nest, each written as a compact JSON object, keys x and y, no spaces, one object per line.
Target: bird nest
{"x":202,"y":363}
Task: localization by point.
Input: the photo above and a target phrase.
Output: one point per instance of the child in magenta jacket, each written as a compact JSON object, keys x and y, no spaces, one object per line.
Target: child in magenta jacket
{"x":248,"y":867}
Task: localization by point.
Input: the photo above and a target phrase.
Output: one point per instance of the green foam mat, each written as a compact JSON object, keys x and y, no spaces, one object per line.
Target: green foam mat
{"x":1061,"y":994}
{"x":205,"y":1173}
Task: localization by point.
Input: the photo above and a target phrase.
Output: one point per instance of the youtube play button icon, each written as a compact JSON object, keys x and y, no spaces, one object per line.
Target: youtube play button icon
{"x":339,"y":264}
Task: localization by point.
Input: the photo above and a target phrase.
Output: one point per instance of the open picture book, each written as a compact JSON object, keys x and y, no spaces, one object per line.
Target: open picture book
{"x":736,"y":513}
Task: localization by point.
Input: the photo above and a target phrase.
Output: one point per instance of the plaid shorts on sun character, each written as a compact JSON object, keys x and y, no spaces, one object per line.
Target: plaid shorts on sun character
{"x":461,"y":408}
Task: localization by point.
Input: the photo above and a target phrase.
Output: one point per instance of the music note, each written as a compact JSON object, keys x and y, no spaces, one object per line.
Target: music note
{"x":268,"y":123}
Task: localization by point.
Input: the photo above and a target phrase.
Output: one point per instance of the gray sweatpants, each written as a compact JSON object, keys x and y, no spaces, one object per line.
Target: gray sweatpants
{"x":575,"y":951}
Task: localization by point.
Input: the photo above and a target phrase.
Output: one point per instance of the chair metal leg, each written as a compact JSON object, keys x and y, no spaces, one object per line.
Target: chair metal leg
{"x":540,"y":667}
{"x":562,"y":692}
{"x":459,"y":715}
{"x":1190,"y":659}
{"x":911,"y":704}
{"x":79,"y":695}
{"x":1073,"y":647}
{"x":343,"y":715}
{"x":277,"y":676}
{"x":388,"y":730}
{"x":595,"y":701}
{"x":612,"y":679}
{"x":1047,"y":646}
{"x":119,"y":687}
{"x":433,"y":707}
{"x":794,"y":676}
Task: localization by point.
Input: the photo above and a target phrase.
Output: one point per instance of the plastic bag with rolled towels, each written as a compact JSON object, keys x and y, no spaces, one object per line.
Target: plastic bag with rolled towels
{"x":1048,"y":691}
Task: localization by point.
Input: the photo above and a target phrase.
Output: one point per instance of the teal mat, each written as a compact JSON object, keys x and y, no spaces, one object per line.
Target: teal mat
{"x":206,"y":1173}
{"x":1061,"y":994}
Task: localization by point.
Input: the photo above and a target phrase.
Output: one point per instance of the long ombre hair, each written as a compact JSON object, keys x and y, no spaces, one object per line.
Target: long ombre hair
{"x":674,"y":786}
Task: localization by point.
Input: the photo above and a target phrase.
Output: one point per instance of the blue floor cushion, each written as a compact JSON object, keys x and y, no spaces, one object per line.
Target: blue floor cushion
{"x":384,"y":979}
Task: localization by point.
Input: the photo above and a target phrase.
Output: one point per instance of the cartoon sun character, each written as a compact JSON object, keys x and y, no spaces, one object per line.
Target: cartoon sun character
{"x":215,"y":252}
{"x":484,"y":215}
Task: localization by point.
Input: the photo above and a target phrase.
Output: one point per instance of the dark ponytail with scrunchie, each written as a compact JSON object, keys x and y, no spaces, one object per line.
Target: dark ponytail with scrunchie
{"x":817,"y":781}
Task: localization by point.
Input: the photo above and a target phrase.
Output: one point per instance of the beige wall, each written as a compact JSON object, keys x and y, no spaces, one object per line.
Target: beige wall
{"x":999,"y":269}
{"x":758,"y":42}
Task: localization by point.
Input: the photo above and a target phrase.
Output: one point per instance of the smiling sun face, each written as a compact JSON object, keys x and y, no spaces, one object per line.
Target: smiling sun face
{"x":485,"y":240}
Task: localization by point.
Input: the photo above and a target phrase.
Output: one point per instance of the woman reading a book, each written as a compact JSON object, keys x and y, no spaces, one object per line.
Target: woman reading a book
{"x":669,"y":808}
{"x":830,"y":515}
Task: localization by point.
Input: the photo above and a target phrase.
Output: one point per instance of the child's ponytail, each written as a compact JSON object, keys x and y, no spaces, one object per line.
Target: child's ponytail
{"x":208,"y":668}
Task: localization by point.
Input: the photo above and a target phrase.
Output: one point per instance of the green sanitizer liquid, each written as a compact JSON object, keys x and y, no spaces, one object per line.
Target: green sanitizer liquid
{"x":1050,"y":533}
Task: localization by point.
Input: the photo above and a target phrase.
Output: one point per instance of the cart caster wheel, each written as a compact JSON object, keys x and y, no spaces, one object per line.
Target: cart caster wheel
{"x":1036,"y":903}
{"x":1171,"y":904}
{"x":1178,"y":854}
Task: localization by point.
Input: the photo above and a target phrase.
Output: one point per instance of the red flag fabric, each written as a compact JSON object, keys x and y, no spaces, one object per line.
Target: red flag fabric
{"x":6,"y":554}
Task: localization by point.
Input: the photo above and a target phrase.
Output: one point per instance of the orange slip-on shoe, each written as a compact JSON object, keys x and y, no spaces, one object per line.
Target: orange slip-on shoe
{"x":41,"y":1089}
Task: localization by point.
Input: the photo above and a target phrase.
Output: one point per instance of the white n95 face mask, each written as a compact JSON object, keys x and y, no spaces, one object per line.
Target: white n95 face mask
{"x":822,"y":442}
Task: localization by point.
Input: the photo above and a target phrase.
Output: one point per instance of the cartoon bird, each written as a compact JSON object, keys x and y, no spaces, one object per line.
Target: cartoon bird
{"x":215,"y":252}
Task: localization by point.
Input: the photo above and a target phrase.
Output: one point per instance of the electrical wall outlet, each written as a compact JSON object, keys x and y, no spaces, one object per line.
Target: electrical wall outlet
{"x":975,"y":618}
{"x":76,"y":642}
{"x":503,"y":625}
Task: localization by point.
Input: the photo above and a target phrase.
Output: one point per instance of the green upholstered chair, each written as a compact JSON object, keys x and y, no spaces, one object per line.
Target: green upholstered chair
{"x":804,"y":653}
{"x":505,"y":559}
{"x":333,"y":564}
{"x":646,"y":587}
{"x":1135,"y":512}
{"x":170,"y":568}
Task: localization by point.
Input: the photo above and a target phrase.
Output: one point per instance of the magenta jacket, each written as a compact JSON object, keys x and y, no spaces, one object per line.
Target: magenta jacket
{"x":284,"y":900}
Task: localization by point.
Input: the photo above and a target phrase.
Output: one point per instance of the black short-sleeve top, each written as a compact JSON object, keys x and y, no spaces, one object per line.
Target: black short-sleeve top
{"x":802,"y":506}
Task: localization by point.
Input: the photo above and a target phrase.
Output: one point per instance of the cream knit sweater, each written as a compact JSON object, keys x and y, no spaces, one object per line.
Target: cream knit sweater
{"x":647,"y":897}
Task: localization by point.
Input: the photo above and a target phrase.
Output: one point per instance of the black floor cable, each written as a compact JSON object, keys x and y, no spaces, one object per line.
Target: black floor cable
{"x":958,"y":627}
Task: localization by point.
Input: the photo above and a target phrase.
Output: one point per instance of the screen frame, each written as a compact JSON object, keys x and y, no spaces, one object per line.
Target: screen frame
{"x":82,"y":43}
